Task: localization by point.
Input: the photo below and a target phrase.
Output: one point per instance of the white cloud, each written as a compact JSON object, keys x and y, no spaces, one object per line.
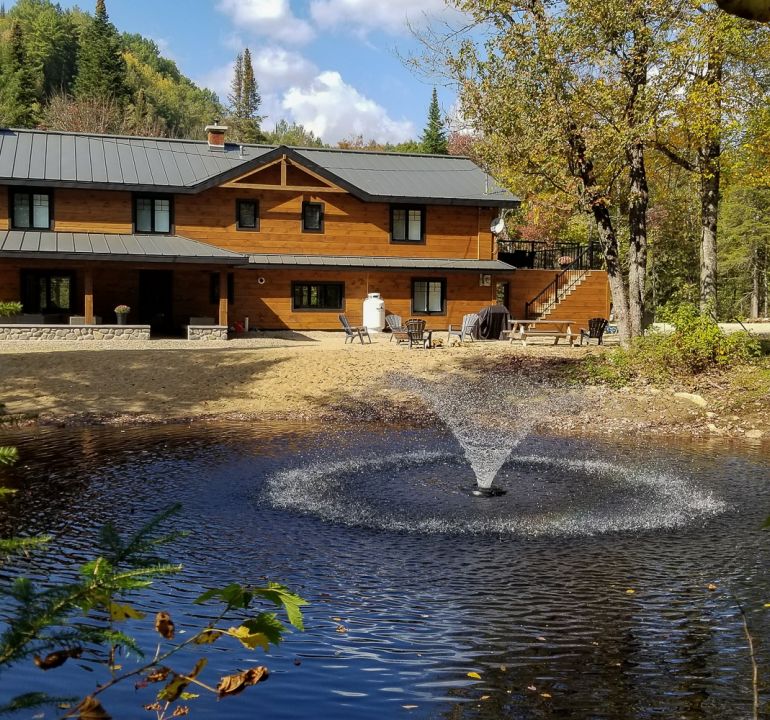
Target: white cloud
{"x":277,"y":68}
{"x":334,"y":110}
{"x":393,"y":16}
{"x":271,"y":18}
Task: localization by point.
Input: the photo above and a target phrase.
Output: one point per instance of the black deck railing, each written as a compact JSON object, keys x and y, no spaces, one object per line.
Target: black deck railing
{"x":536,"y":256}
{"x":571,"y":274}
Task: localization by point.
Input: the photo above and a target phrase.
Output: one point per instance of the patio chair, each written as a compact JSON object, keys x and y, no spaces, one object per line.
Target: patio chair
{"x":397,"y":328}
{"x":417,"y":336}
{"x":352,"y":331}
{"x":467,"y":330}
{"x":596,"y":328}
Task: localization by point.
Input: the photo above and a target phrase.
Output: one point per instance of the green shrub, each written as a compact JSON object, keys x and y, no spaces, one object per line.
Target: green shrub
{"x":695,"y":345}
{"x":9,"y":308}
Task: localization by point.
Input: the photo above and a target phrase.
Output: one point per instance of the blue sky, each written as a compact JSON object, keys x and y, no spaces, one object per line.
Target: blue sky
{"x":331,"y":65}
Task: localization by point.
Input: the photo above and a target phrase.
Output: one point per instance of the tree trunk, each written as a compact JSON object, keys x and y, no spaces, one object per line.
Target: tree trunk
{"x":756,"y":284}
{"x":709,"y":197}
{"x":637,"y":247}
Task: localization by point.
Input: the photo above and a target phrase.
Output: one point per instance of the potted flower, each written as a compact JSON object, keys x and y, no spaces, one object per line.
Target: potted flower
{"x":565,"y":261}
{"x":121,"y":313}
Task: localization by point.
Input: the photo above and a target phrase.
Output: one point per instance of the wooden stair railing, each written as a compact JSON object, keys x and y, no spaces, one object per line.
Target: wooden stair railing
{"x":553,"y":293}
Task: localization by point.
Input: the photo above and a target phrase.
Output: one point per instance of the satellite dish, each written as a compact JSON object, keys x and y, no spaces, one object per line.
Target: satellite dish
{"x":498,"y":225}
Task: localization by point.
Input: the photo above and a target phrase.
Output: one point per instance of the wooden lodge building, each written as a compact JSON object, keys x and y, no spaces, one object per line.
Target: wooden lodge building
{"x":286,"y":237}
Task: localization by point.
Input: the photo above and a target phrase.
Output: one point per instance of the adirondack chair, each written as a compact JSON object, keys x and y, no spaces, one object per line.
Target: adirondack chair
{"x":417,"y":336}
{"x":352,"y":332}
{"x":596,"y":328}
{"x":397,"y":328}
{"x":467,"y":330}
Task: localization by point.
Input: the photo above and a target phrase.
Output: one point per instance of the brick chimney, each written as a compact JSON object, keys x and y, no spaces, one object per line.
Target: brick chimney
{"x":216,"y":136}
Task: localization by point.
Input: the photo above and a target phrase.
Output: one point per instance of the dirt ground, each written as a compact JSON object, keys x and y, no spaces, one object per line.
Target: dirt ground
{"x":310,"y":376}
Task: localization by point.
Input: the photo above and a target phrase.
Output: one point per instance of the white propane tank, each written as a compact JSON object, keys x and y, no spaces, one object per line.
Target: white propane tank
{"x":374,"y":312}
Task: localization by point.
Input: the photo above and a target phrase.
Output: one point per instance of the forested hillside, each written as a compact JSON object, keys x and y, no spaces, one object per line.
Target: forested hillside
{"x":70,"y":70}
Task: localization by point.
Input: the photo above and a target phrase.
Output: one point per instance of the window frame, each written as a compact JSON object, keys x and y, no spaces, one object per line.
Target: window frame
{"x":246,"y":228}
{"x":36,"y":274}
{"x":214,"y":288}
{"x":306,"y":204}
{"x":442,"y":281}
{"x":309,"y":283}
{"x":408,"y":208}
{"x":154,"y":197}
{"x":30,"y":193}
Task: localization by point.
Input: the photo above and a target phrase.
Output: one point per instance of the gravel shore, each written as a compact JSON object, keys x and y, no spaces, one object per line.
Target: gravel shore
{"x":314,"y":375}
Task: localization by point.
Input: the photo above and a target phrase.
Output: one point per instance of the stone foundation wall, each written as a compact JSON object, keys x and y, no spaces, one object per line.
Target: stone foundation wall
{"x":74,"y":332}
{"x":207,"y":332}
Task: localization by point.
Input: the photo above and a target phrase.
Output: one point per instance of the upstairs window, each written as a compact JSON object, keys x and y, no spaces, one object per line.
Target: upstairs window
{"x":31,"y":210}
{"x":407,"y":224}
{"x":153,"y":214}
{"x":312,"y":217}
{"x":247,"y":214}
{"x":429,"y":297}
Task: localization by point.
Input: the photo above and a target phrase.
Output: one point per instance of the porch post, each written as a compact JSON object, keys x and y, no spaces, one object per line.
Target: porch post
{"x":223,"y":297}
{"x":88,"y":309}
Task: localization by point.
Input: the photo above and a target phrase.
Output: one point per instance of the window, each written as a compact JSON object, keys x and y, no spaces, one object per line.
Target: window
{"x":312,"y":217}
{"x":318,"y":296}
{"x":47,"y":291}
{"x":247,"y":214}
{"x":152,"y":214}
{"x":214,"y":288}
{"x":31,"y":209}
{"x":429,"y":297}
{"x":407,"y":224}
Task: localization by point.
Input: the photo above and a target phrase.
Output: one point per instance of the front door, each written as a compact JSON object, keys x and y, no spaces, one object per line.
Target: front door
{"x":156,"y":297}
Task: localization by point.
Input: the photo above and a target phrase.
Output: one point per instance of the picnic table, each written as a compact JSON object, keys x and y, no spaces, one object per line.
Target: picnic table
{"x":556,"y":329}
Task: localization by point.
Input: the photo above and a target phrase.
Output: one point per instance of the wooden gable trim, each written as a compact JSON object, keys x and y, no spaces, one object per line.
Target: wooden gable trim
{"x":326,"y":185}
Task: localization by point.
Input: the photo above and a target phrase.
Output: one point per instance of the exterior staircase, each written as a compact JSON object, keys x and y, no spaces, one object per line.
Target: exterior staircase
{"x":573,"y":295}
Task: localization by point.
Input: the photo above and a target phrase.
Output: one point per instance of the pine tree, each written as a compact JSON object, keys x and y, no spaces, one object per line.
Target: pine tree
{"x":101,"y":67}
{"x":235,"y":98}
{"x":17,"y":99}
{"x":244,"y":99}
{"x":434,"y":138}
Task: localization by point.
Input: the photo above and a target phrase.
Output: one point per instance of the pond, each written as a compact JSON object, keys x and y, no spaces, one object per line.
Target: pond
{"x":582,"y":592}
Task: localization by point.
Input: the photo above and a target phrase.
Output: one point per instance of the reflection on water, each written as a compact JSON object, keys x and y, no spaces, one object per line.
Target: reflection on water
{"x":545,"y":618}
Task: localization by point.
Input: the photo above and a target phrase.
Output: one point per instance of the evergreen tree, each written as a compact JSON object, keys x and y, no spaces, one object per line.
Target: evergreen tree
{"x":17,"y":100}
{"x":434,"y":138}
{"x":244,"y":101}
{"x":101,"y":67}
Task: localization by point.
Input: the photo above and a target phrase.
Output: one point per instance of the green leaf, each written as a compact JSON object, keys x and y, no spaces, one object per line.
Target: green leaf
{"x":258,"y":632}
{"x":235,"y":595}
{"x":281,"y":595}
{"x":8,"y":455}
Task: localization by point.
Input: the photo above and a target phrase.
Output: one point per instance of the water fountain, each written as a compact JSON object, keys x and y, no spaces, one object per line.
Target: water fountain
{"x":542,"y":485}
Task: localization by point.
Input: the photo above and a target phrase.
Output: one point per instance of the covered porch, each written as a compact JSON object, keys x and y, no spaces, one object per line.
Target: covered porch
{"x":70,"y":284}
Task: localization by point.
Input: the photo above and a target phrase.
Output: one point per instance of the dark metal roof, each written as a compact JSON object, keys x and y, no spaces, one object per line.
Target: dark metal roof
{"x":59,"y":159}
{"x":379,"y":263}
{"x":101,"y":246}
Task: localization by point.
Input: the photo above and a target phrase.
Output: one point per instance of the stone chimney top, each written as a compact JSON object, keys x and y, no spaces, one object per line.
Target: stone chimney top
{"x":216,"y":136}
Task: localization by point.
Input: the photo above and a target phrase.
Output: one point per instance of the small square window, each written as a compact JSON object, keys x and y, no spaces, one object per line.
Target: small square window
{"x":31,"y":210}
{"x":407,"y":224}
{"x":247,"y":215}
{"x":312,"y":217}
{"x":153,"y":214}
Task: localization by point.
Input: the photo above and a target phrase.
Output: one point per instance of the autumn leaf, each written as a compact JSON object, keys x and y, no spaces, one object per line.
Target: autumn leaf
{"x":91,"y":709}
{"x":234,"y":684}
{"x":57,"y":658}
{"x":474,"y":675}
{"x":159,"y":674}
{"x":206,"y":637}
{"x":119,"y":613}
{"x":711,"y":586}
{"x":173,"y":691}
{"x":164,"y":625}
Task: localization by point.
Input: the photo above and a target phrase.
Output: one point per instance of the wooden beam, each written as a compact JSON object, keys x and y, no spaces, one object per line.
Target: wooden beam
{"x":295,"y":188}
{"x":283,"y":171}
{"x":88,"y":304}
{"x":223,"y":297}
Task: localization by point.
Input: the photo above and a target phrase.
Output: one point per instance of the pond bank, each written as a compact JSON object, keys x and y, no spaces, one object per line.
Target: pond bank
{"x":314,"y":376}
